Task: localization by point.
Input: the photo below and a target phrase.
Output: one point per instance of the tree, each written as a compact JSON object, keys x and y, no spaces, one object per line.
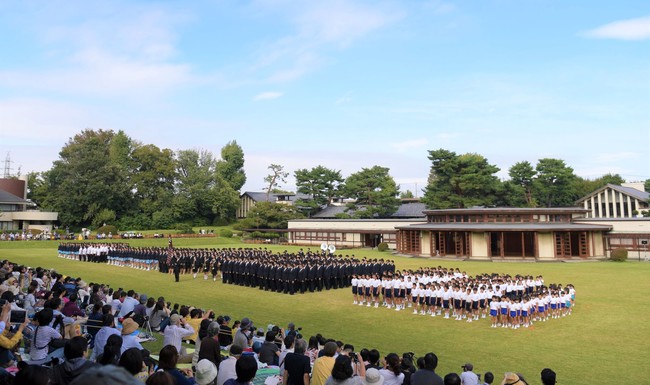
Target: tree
{"x":458,"y":181}
{"x":276,"y":176}
{"x":231,"y":166}
{"x":88,"y":177}
{"x":153,"y":175}
{"x":408,"y":194}
{"x":522,"y":175}
{"x":586,"y":186}
{"x":320,"y":183}
{"x":194,"y":196}
{"x":646,"y":185}
{"x":225,"y":200}
{"x":269,"y":215}
{"x":554,"y":183}
{"x":374,"y":191}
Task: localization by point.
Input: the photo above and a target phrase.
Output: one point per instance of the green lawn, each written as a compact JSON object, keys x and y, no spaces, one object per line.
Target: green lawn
{"x":605,"y":338}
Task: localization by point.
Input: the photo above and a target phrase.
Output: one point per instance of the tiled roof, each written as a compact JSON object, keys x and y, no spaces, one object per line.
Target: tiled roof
{"x":405,"y":210}
{"x":630,"y":191}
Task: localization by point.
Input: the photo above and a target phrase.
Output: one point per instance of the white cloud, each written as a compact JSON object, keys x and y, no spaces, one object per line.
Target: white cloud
{"x":271,"y":95}
{"x":409,"y":144}
{"x":630,"y":29}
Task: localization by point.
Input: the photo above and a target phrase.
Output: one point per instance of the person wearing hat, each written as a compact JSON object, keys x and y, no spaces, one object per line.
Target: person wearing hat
{"x":512,"y":379}
{"x":427,"y":375}
{"x":467,"y":376}
{"x":206,"y":372}
{"x":244,"y":335}
{"x":174,"y":334}
{"x":373,"y":377}
{"x":130,"y":335}
{"x":227,"y":366}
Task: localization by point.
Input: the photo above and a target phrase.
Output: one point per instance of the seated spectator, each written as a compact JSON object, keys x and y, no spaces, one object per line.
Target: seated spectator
{"x":227,"y":367}
{"x":488,"y":377}
{"x":427,"y":375}
{"x":312,"y":349}
{"x":43,"y":336}
{"x":32,"y":374}
{"x":392,"y":373}
{"x":174,"y":334}
{"x":132,"y":361}
{"x":95,"y":321}
{"x":468,"y":376}
{"x":107,"y":375}
{"x":512,"y":379}
{"x":548,"y":377}
{"x":343,"y":372}
{"x":167,"y":361}
{"x":210,"y":349}
{"x":75,"y":362}
{"x":71,"y":309}
{"x":296,"y":365}
{"x":160,"y":378}
{"x":158,"y":315}
{"x":452,"y":379}
{"x":323,"y":365}
{"x":225,"y":332}
{"x":103,"y":334}
{"x":8,"y":342}
{"x":373,"y":359}
{"x":206,"y":373}
{"x":130,"y":335}
{"x":246,"y":368}
{"x":269,"y":352}
{"x":112,"y":350}
{"x":289,"y":343}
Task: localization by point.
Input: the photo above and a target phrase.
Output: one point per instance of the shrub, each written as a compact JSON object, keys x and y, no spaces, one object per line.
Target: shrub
{"x":257,"y":234}
{"x":382,"y":246}
{"x":618,"y":255}
{"x":107,"y":229}
{"x":226,"y":233}
{"x":184,"y":228}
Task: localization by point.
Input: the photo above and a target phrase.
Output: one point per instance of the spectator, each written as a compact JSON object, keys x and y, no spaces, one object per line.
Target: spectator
{"x":128,"y":304}
{"x":392,"y":373}
{"x":289,"y":343}
{"x":71,"y":309}
{"x":548,"y":376}
{"x":210,"y":349}
{"x":130,"y":335}
{"x":488,"y":377}
{"x":323,"y":365}
{"x":206,"y":373}
{"x":75,"y":362}
{"x":343,"y":372}
{"x":468,"y":376}
{"x":269,"y":353}
{"x":174,"y":334}
{"x":296,"y":365}
{"x":43,"y":337}
{"x":246,"y":368}
{"x":106,"y":375}
{"x":141,"y":308}
{"x":243,"y":335}
{"x":95,"y":321}
{"x":108,"y":329}
{"x":512,"y":379}
{"x":373,"y":377}
{"x":8,"y":342}
{"x":160,"y":313}
{"x":227,"y":366}
{"x":32,"y":374}
{"x":168,"y":360}
{"x":312,"y":349}
{"x":112,"y":351}
{"x":373,"y":359}
{"x":132,"y":361}
{"x":160,"y":378}
{"x":225,"y":332}
{"x":452,"y":379}
{"x":427,"y":375}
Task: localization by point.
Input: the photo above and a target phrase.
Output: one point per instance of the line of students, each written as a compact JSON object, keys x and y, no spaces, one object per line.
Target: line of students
{"x":511,"y":302}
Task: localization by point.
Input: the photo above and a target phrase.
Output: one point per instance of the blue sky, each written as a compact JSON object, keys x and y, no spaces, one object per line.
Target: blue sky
{"x":345,"y":84}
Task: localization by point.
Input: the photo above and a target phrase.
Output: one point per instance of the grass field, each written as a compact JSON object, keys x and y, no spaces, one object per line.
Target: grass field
{"x":606,"y":340}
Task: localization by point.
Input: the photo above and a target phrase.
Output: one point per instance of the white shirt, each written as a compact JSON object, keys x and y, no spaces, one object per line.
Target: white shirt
{"x":174,"y":335}
{"x":226,"y":370}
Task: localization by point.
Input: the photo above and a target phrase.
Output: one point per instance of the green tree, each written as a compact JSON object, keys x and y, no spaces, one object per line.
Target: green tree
{"x":231,"y":165}
{"x":554,"y":183}
{"x":586,"y":186}
{"x":276,"y":176}
{"x":89,"y":176}
{"x":408,"y":194}
{"x":225,"y":200}
{"x":194,"y":198}
{"x":646,"y":185}
{"x":522,"y":175}
{"x":374,"y":191}
{"x":153,"y":175}
{"x":458,"y":181}
{"x":269,"y":215}
{"x":320,"y":183}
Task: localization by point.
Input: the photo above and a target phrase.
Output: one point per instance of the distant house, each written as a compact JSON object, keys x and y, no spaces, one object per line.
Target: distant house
{"x":18,"y":213}
{"x":248,"y":200}
{"x":620,"y":207}
{"x":325,"y":227}
{"x":613,"y":201}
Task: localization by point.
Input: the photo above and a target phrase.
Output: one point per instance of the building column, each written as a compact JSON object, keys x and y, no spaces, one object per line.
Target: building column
{"x":600,"y":206}
{"x":614,"y":204}
{"x":629,"y":206}
{"x":593,"y":207}
{"x":606,"y":192}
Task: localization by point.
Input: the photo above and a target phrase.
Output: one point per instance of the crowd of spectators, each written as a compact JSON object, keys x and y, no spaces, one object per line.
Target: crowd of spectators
{"x":78,"y":333}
